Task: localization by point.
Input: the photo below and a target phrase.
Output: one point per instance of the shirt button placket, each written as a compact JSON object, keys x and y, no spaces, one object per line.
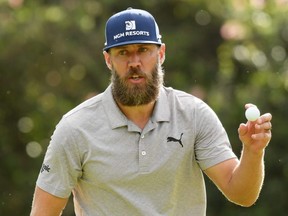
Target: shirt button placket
{"x":142,"y":154}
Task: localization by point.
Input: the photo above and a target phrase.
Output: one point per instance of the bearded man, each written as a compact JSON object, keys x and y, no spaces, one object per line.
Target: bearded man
{"x":140,"y":148}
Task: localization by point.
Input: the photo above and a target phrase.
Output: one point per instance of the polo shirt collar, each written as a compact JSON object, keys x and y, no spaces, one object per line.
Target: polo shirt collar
{"x":117,"y":119}
{"x":115,"y":116}
{"x":161,"y":111}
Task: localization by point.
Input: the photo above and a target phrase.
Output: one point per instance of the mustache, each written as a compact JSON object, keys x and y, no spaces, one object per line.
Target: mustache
{"x":135,"y":71}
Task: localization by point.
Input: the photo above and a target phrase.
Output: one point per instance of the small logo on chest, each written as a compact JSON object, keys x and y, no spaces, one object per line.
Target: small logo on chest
{"x":172,"y":139}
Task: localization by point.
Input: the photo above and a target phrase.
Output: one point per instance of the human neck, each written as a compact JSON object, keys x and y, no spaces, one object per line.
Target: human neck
{"x":139,"y":115}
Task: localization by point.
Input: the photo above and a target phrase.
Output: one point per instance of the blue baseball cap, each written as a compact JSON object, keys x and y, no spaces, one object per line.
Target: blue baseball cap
{"x":131,"y":26}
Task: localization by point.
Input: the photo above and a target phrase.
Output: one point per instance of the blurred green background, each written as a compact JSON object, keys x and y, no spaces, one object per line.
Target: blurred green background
{"x":226,"y":52}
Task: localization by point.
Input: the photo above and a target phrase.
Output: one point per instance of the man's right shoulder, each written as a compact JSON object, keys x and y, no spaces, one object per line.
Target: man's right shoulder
{"x":90,"y":104}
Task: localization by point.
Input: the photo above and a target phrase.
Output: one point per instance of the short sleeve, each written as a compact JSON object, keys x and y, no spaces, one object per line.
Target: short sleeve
{"x":62,"y":164}
{"x":212,"y":143}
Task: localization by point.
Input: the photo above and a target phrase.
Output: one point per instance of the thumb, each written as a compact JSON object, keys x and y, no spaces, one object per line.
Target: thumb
{"x":243,"y":129}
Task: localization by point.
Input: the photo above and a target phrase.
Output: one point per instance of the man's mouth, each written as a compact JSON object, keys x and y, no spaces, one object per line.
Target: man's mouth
{"x":135,"y":77}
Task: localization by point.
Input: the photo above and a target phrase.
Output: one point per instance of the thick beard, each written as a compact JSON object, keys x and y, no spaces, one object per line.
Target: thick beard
{"x":136,"y":95}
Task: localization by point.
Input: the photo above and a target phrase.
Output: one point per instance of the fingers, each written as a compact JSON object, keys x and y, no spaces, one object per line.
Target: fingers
{"x":267,"y":117}
{"x":256,"y":133}
{"x":249,"y":105}
{"x":264,"y":126}
{"x":266,"y":135}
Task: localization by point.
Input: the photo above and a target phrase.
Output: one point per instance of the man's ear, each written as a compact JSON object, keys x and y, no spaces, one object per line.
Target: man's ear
{"x":162,"y":51}
{"x":107,"y":59}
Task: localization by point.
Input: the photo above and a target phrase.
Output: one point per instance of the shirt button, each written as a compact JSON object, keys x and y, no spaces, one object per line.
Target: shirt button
{"x":143,"y":153}
{"x":142,"y":137}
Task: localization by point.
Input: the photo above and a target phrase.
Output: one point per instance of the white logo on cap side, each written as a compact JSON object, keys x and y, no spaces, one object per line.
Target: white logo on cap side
{"x":130,"y":25}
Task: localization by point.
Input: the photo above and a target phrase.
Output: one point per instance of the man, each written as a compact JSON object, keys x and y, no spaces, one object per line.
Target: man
{"x":140,"y":148}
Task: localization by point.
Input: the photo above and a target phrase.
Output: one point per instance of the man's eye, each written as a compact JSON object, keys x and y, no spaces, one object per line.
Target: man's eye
{"x":143,"y":49}
{"x":122,"y":52}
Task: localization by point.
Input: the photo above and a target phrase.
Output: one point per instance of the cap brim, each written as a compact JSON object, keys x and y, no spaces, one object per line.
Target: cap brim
{"x":131,"y":42}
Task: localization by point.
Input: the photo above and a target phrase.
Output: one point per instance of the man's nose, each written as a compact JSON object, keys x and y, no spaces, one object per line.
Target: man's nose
{"x":134,"y":60}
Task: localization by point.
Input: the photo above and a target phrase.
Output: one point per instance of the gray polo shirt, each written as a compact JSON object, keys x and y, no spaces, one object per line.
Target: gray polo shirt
{"x":115,"y":168}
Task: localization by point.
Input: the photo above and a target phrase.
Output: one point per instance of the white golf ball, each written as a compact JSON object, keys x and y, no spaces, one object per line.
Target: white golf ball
{"x":252,"y":113}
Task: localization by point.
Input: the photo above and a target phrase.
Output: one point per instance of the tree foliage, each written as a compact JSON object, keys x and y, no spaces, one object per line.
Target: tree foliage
{"x":226,"y":52}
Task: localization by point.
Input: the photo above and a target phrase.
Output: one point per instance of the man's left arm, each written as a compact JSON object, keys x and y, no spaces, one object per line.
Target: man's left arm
{"x":241,"y":180}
